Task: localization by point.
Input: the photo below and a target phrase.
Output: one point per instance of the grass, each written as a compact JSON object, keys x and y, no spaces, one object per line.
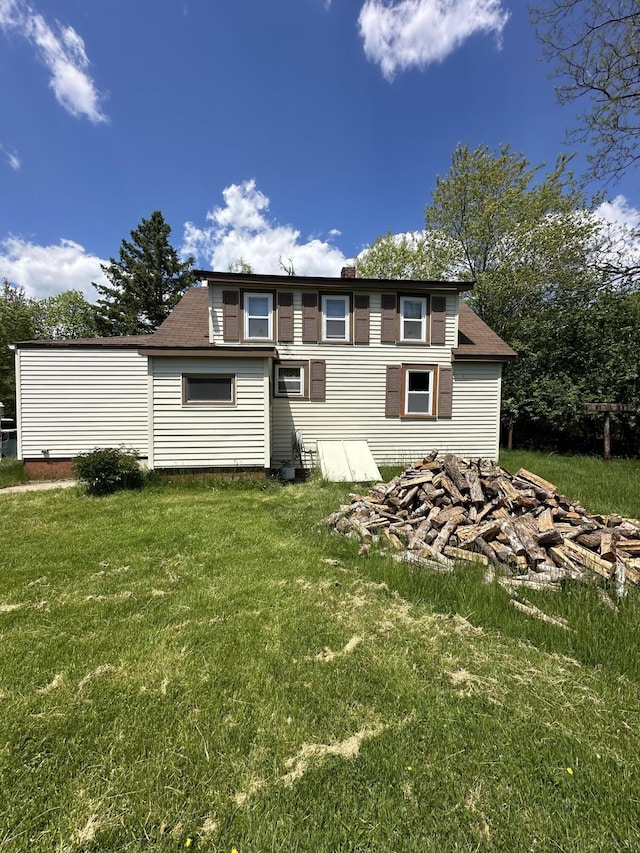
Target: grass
{"x":11,"y":472}
{"x":200,"y":664}
{"x":606,"y":487}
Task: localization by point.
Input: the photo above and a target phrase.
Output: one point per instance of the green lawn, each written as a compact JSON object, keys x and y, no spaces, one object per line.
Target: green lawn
{"x":203,"y":666}
{"x":11,"y":472}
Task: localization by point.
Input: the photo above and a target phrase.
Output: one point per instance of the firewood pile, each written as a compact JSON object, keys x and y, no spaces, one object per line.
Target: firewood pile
{"x":438,"y":512}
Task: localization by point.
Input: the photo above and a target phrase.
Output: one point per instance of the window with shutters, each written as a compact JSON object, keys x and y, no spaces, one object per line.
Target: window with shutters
{"x":413,"y":319}
{"x":208,"y":389}
{"x":335,"y":318}
{"x":258,"y":316}
{"x":291,"y":379}
{"x":418,"y":391}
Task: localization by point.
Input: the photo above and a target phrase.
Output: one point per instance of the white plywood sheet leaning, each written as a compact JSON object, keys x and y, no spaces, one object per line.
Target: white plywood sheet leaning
{"x":347,"y":461}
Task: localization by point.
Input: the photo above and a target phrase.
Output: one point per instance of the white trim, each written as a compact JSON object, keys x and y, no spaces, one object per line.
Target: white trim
{"x":346,"y":302}
{"x":18,"y":406}
{"x":277,"y":392}
{"x":407,"y":371}
{"x":267,"y":412}
{"x":247,"y":296}
{"x":423,"y":318}
{"x":150,"y":413}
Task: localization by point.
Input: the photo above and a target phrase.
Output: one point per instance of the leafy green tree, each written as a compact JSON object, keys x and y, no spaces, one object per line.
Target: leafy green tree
{"x":18,"y":322}
{"x":595,"y":46}
{"x":66,"y":315}
{"x":240,"y":266}
{"x":418,"y":255}
{"x":530,"y":244}
{"x":147,"y":281}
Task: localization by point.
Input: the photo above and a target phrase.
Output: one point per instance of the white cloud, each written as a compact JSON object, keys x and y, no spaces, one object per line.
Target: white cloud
{"x":242,"y":229}
{"x":622,"y":221}
{"x":12,"y":158}
{"x":47,"y":270}
{"x":402,"y":34}
{"x":63,"y":53}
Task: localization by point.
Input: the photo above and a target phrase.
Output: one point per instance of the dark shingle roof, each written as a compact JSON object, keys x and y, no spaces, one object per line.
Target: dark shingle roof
{"x":187,"y":327}
{"x":188,"y":323}
{"x":477,"y":341}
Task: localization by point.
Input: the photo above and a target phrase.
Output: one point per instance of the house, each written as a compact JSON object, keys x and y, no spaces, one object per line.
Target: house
{"x":245,"y":361}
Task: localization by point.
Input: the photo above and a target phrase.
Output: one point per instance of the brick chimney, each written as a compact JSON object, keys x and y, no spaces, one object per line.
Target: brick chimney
{"x":348,"y":272}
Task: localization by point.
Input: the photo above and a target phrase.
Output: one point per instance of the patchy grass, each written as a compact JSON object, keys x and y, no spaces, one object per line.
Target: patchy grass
{"x":205,"y":663}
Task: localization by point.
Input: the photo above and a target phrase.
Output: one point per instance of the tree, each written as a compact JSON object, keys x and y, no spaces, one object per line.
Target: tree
{"x":595,"y":46}
{"x":240,"y":266}
{"x":519,"y":236}
{"x":18,"y":322}
{"x":146,"y":282}
{"x":417,"y":255}
{"x":67,"y":315}
{"x":530,"y":244}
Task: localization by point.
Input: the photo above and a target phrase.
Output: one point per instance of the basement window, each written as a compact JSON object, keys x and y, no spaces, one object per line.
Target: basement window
{"x":210,"y":389}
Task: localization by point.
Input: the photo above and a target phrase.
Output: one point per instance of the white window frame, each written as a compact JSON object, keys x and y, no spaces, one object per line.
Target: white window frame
{"x":346,"y":318}
{"x":423,"y":319}
{"x":187,"y":378}
{"x":430,"y":394}
{"x":276,"y":379}
{"x":247,"y":296}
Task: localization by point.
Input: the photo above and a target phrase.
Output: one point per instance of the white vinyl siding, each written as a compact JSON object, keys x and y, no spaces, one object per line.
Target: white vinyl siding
{"x":73,"y":400}
{"x":354,"y":407}
{"x":210,"y":436}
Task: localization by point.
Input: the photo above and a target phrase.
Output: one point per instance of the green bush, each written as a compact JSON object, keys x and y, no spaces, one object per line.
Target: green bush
{"x":107,"y":469}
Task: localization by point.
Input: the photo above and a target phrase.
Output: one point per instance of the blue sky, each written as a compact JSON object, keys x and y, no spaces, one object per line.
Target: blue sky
{"x":270,"y":130}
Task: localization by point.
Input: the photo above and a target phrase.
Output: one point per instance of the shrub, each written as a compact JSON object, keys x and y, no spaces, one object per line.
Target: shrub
{"x":107,"y":469}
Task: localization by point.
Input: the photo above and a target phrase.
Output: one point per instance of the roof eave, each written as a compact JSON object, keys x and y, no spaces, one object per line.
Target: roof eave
{"x":330,"y":283}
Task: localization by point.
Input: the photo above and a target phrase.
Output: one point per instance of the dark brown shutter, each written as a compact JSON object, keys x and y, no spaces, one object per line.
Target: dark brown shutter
{"x":231,"y":315}
{"x":445,"y":392}
{"x":309,"y":318}
{"x":388,"y":319}
{"x":317,"y":380}
{"x":361,"y":318}
{"x":438,"y":319}
{"x":285,"y":317}
{"x":393,"y":391}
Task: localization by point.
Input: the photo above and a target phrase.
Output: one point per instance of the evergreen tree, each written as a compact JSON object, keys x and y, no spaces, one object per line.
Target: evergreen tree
{"x":146,"y":282}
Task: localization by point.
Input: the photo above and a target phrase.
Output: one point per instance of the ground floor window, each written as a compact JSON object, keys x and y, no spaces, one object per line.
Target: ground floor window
{"x":418,"y":387}
{"x":212,"y":389}
{"x":289,"y":380}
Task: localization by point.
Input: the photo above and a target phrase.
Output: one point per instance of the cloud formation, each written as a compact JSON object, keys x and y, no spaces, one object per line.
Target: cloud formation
{"x":623,"y":232}
{"x":48,"y":270}
{"x":403,"y":34}
{"x":242,"y":229}
{"x":63,"y":53}
{"x":12,"y":158}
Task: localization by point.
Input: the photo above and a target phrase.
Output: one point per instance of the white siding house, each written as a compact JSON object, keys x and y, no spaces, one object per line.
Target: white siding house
{"x":245,"y":361}
{"x":72,"y":399}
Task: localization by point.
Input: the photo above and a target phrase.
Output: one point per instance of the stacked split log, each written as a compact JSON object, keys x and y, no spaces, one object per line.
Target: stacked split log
{"x":439,"y":511}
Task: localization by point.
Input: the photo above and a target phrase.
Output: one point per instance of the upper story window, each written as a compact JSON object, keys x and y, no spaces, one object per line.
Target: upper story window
{"x":335,"y":318}
{"x":413,"y":318}
{"x":258,"y":316}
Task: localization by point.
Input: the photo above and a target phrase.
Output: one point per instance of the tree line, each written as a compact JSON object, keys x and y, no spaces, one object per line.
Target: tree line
{"x":549,"y":278}
{"x":145,"y":282}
